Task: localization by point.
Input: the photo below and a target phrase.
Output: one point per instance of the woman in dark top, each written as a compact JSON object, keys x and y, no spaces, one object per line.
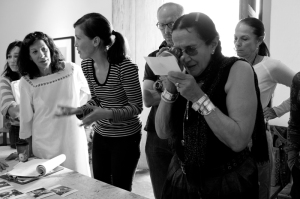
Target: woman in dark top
{"x":116,"y":100}
{"x":210,"y":114}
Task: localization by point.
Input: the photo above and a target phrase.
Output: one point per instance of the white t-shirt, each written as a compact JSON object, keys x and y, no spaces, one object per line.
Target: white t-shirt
{"x":271,"y":72}
{"x":52,"y":136}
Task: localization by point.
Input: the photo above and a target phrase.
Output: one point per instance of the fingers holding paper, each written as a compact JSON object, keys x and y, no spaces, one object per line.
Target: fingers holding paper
{"x":167,"y":84}
{"x":186,"y":85}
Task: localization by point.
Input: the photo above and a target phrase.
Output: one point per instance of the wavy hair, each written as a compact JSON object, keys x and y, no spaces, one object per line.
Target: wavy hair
{"x":27,"y":66}
{"x":8,"y":73}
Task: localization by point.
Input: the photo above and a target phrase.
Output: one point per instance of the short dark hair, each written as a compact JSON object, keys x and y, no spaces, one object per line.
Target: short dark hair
{"x":258,"y":30}
{"x":27,"y":66}
{"x":8,"y":73}
{"x":179,"y":8}
{"x":96,"y":25}
{"x":202,"y":24}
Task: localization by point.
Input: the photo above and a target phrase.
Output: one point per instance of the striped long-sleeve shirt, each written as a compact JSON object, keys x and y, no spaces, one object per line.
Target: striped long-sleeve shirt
{"x":7,"y":98}
{"x":121,"y":93}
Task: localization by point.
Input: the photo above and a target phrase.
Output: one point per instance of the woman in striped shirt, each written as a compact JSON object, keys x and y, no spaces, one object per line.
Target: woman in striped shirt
{"x":9,"y":106}
{"x":116,"y":100}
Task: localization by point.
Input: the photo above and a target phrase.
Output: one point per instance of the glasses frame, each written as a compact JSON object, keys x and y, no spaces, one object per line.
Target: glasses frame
{"x":164,"y":25}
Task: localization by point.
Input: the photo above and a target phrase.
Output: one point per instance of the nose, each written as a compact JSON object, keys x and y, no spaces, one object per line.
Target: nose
{"x":41,"y":54}
{"x":76,"y":45}
{"x":185,"y":58}
{"x":237,"y":42}
{"x":167,"y":29}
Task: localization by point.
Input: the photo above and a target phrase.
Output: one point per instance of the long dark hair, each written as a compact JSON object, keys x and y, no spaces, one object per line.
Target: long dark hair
{"x":8,"y":73}
{"x":258,"y":30}
{"x":204,"y":27}
{"x":96,"y":25}
{"x":27,"y":66}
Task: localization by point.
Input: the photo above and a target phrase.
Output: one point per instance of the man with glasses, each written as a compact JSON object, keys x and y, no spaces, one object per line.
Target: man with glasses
{"x":158,"y":152}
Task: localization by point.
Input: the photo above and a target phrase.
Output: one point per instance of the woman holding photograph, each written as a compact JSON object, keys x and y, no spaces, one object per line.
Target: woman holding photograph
{"x":48,"y":81}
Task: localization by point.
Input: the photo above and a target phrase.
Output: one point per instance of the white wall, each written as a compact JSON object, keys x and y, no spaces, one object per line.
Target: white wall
{"x":284,"y":44}
{"x":54,"y":17}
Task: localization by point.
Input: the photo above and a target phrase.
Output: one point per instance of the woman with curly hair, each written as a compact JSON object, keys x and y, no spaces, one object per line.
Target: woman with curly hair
{"x":48,"y":81}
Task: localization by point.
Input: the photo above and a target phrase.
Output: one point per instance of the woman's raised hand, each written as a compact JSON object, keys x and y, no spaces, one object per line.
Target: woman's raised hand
{"x":186,"y":85}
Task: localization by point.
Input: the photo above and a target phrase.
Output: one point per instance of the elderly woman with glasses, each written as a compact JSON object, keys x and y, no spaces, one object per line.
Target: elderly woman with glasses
{"x":210,"y":113}
{"x":47,"y":82}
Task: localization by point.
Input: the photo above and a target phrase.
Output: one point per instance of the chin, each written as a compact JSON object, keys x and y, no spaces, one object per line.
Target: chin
{"x":82,"y":56}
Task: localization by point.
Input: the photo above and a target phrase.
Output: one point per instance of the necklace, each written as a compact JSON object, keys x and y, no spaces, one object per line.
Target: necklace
{"x":254,"y":59}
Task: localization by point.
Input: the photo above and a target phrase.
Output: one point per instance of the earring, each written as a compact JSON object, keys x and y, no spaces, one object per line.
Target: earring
{"x":213,"y":51}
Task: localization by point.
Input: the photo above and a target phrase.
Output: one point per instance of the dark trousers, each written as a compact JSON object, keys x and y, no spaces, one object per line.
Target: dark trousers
{"x":115,"y":159}
{"x":159,"y":155}
{"x":295,"y":190}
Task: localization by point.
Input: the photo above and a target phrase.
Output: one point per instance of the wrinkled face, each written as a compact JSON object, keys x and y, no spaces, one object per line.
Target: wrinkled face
{"x":83,"y":44}
{"x":196,"y":54}
{"x":40,"y":54}
{"x":167,"y":15}
{"x":12,"y":58}
{"x":246,"y":43}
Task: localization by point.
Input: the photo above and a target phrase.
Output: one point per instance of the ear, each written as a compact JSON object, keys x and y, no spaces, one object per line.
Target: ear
{"x":214,"y":44}
{"x":260,"y":39}
{"x":96,"y":41}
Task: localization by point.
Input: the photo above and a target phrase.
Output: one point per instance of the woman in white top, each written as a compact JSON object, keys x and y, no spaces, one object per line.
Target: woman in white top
{"x":249,"y":44}
{"x":47,"y":82}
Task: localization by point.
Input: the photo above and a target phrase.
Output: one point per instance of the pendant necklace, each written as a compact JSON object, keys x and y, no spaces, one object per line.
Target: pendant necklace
{"x":186,"y":117}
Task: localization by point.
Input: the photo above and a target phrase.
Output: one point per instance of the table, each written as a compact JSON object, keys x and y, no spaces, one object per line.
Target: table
{"x":87,"y":187}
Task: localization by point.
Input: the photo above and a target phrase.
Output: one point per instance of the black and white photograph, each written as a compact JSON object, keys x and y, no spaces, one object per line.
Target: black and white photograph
{"x":40,"y":193}
{"x":62,"y":190}
{"x":11,"y":194}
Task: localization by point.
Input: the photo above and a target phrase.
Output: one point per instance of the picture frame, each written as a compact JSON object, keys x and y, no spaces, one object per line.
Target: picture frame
{"x":66,"y":47}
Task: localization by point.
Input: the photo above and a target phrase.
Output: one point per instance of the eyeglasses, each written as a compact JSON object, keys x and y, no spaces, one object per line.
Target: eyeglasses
{"x":191,"y":51}
{"x":162,"y":26}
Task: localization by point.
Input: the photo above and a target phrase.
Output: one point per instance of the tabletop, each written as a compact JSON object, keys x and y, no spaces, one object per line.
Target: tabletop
{"x":87,"y":187}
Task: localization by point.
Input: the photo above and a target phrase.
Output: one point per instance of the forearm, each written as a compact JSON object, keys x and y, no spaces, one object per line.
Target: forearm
{"x":151,"y":98}
{"x":126,"y":112}
{"x":86,"y":109}
{"x":163,"y":120}
{"x":228,"y":131}
{"x":283,"y":108}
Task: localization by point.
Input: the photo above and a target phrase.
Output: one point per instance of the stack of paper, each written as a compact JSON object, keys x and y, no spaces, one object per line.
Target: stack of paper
{"x":36,"y":167}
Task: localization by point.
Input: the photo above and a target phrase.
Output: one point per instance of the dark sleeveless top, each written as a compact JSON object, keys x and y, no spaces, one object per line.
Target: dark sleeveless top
{"x":203,"y":151}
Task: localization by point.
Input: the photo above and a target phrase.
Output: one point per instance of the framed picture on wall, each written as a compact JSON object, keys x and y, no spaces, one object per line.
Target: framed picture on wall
{"x":66,"y":47}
